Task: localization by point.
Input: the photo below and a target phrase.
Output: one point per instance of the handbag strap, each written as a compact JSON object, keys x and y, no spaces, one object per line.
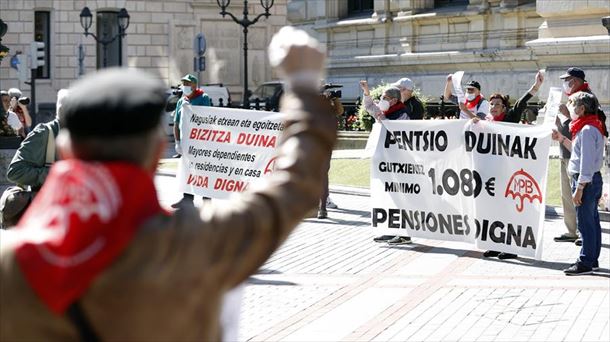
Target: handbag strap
{"x":50,"y":154}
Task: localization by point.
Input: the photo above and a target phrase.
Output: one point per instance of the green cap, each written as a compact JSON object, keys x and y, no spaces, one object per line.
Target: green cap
{"x":190,"y":78}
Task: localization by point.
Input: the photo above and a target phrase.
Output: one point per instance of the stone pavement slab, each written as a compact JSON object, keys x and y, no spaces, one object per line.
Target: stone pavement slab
{"x":330,"y":282}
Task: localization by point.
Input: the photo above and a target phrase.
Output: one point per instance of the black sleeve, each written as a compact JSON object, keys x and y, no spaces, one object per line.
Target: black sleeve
{"x":418,"y":110}
{"x":514,"y":114}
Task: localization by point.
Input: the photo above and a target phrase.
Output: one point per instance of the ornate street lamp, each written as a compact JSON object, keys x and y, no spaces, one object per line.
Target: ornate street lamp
{"x":86,"y":20}
{"x":245,"y":23}
{"x":3,"y":49}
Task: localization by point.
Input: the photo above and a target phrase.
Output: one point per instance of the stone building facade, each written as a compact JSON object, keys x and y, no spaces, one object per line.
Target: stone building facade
{"x":500,"y":43}
{"x":159,"y":38}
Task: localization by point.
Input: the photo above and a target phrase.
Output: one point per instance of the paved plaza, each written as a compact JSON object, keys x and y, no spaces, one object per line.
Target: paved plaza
{"x":331,"y":282}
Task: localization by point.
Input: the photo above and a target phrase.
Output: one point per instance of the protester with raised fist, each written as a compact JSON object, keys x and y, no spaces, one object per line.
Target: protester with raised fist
{"x":96,"y":258}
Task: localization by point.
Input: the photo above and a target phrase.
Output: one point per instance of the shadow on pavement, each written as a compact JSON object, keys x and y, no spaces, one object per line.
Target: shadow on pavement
{"x":256,"y":281}
{"x":267,"y":271}
{"x":521,"y":261}
{"x":361,"y":213}
{"x":333,"y":221}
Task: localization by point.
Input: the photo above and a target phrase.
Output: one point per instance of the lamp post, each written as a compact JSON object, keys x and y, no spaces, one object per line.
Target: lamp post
{"x":86,"y":19}
{"x":245,"y":22}
{"x":3,"y":49}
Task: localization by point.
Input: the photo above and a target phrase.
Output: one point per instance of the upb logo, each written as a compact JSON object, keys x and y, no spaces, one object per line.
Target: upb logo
{"x":522,"y":186}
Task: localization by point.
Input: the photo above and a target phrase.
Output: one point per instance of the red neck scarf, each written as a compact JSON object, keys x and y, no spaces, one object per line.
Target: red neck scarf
{"x":195,"y":93}
{"x":584,"y":87}
{"x":398,"y":106}
{"x":472,"y":104}
{"x":499,"y":117}
{"x":587,"y":119}
{"x":83,"y":218}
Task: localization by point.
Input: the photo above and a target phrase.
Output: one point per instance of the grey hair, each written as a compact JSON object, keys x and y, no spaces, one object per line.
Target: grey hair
{"x":585,"y":99}
{"x":393,"y":92}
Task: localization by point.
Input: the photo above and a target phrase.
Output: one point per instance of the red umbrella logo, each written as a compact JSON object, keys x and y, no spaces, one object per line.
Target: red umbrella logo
{"x":523,"y":186}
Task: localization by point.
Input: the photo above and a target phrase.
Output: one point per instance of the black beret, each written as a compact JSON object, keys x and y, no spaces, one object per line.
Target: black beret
{"x":474,"y":84}
{"x":113,"y":102}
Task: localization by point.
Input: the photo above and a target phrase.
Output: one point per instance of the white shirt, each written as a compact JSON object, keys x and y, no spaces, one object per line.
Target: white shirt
{"x":13,"y":120}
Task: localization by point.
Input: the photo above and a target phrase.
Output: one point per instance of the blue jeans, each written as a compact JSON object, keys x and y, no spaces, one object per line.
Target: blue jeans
{"x":587,"y":219}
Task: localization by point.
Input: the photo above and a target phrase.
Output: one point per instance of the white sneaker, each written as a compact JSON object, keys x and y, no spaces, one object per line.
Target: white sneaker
{"x":330,"y":204}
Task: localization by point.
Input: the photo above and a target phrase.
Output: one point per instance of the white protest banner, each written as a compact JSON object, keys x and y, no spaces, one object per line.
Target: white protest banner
{"x":454,"y":180}
{"x":371,"y":142}
{"x":456,"y":79}
{"x":226,"y":149}
{"x":552,"y":106}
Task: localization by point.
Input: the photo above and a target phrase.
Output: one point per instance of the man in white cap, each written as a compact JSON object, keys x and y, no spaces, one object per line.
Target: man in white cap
{"x":415,"y":108}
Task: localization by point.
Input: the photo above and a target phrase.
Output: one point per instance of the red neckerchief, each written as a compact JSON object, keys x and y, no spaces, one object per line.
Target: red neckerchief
{"x":472,"y":104}
{"x":499,"y":117}
{"x":587,"y":119}
{"x":20,"y":115}
{"x":398,"y":106}
{"x":584,"y":87}
{"x":83,"y":218}
{"x":195,"y":93}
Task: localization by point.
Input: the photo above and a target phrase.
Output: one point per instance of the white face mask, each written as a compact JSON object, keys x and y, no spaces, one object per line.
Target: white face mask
{"x":572,"y":110}
{"x":471,"y":97}
{"x":566,"y":87}
{"x":186,"y":90}
{"x":383,"y":105}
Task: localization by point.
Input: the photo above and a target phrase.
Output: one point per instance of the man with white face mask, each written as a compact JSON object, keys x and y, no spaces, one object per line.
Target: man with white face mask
{"x":573,"y":82}
{"x":192,"y":95}
{"x":195,"y":97}
{"x":389,"y":107}
{"x":474,"y":105}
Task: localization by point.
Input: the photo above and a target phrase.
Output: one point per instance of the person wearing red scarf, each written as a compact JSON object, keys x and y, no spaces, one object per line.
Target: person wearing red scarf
{"x":500,"y":112}
{"x":584,"y":169}
{"x":195,"y":97}
{"x":389,"y":107}
{"x":573,"y":82}
{"x":96,"y":258}
{"x":474,"y":104}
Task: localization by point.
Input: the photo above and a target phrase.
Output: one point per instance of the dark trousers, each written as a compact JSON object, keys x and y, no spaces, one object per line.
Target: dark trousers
{"x":324,"y":198}
{"x":587,"y":220}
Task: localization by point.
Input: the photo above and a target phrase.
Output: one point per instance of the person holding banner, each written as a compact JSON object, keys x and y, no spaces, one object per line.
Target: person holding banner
{"x":389,"y":107}
{"x":474,"y":105}
{"x":194,"y":96}
{"x":584,"y":169}
{"x":500,"y":112}
{"x":96,"y":258}
{"x":499,"y":105}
